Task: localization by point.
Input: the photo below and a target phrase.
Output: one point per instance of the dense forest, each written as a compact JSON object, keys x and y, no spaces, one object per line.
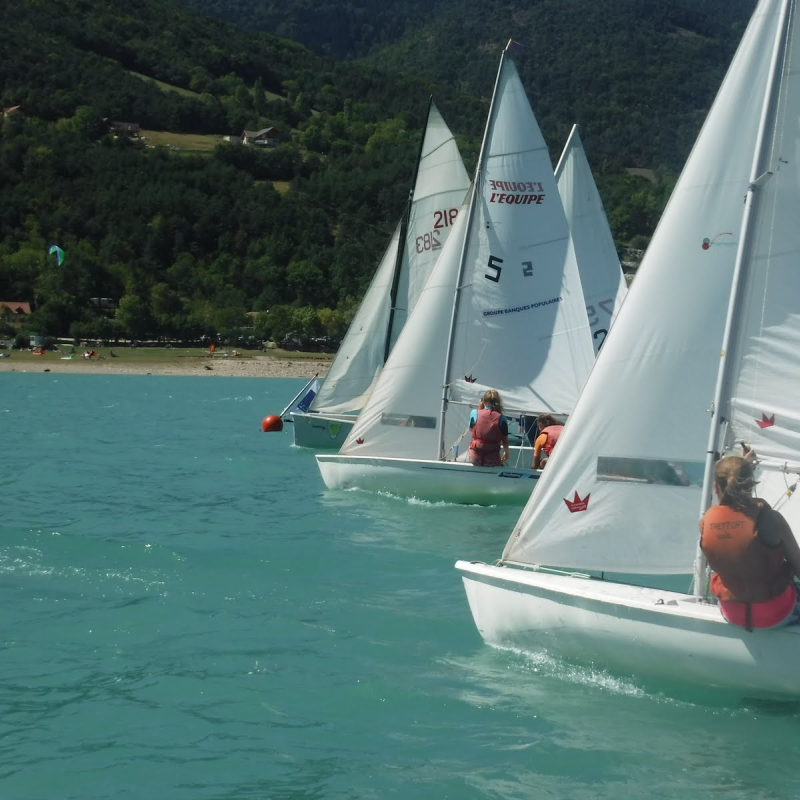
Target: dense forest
{"x":188,"y":236}
{"x":638,"y":75}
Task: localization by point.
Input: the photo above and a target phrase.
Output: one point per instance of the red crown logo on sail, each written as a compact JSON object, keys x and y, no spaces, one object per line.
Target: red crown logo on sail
{"x":765,"y":421}
{"x":576,"y":504}
{"x":359,"y":441}
{"x":469,"y":379}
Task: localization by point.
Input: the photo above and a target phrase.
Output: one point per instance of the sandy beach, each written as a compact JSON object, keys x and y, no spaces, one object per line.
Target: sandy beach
{"x":216,"y":366}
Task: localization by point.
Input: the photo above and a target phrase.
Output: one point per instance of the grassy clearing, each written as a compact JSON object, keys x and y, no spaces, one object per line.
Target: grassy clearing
{"x":165,"y":87}
{"x":186,"y":142}
{"x":282,"y":187}
{"x":269,"y":95}
{"x":643,"y":173}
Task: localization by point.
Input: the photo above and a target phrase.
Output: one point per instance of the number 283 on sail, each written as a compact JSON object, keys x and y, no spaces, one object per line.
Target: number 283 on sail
{"x":441,"y":219}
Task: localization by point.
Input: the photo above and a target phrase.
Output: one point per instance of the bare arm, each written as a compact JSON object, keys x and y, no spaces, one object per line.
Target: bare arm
{"x":540,"y":442}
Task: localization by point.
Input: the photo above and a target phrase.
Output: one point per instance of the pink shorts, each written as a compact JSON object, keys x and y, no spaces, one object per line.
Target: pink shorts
{"x":771,"y":614}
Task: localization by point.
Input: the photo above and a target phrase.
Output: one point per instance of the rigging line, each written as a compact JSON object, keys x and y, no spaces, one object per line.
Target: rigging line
{"x":477,"y":360}
{"x":457,"y":442}
{"x":520,"y":453}
{"x":790,"y":490}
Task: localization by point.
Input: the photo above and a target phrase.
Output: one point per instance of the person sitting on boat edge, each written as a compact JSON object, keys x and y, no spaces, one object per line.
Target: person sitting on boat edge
{"x":489,"y":431}
{"x":751,"y":550}
{"x":549,"y":431}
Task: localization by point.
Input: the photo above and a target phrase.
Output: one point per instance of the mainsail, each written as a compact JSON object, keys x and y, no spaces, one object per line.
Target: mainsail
{"x":624,"y":484}
{"x":440,"y":184}
{"x":603,"y":283}
{"x":503,"y":307}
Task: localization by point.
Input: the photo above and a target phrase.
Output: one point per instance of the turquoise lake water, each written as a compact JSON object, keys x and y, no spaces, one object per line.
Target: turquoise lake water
{"x":189,"y":613}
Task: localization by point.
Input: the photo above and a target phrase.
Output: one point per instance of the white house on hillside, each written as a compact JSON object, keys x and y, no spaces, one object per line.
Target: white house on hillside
{"x":266,"y":137}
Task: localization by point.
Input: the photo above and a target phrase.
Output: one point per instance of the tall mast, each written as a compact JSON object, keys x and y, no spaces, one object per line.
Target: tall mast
{"x":565,"y":152}
{"x":759,"y":176}
{"x":401,"y":244}
{"x":476,"y":192}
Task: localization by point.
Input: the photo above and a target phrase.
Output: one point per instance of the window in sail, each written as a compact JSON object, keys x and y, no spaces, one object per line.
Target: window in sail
{"x":408,"y":421}
{"x":650,"y":471}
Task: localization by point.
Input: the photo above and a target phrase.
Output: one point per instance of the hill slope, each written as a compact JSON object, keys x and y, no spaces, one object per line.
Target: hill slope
{"x":637,"y":75}
{"x":190,"y":242}
{"x":187,"y":243}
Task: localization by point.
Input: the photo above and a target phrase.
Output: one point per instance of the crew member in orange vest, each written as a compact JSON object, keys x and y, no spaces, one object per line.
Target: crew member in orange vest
{"x":751,"y":549}
{"x":489,"y":431}
{"x":549,"y":431}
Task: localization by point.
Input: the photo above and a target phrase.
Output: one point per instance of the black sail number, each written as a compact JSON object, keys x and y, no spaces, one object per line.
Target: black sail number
{"x":494,"y":263}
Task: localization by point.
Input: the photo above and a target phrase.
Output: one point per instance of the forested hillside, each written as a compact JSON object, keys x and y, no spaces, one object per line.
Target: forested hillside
{"x":188,"y":236}
{"x":341,"y":29}
{"x":187,"y":242}
{"x":638,"y":75}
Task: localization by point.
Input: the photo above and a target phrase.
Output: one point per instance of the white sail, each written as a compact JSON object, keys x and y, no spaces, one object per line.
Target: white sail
{"x":765,"y":352}
{"x":520,"y":322}
{"x":400,"y":418}
{"x":622,"y":489}
{"x":441,"y":185}
{"x":603,"y":283}
{"x":439,"y":189}
{"x":360,"y":356}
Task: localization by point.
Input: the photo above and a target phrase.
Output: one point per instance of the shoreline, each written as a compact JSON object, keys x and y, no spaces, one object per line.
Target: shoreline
{"x":209,"y":366}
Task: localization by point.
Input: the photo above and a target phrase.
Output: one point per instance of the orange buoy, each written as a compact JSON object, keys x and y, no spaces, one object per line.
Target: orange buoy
{"x":271,"y":423}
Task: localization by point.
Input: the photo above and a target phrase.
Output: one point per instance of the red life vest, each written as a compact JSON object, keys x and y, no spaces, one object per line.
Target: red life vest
{"x":745,"y":569}
{"x":487,"y":436}
{"x":552,"y":432}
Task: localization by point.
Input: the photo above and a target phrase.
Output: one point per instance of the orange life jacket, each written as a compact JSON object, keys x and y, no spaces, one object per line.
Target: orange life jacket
{"x":552,"y":432}
{"x":745,"y":569}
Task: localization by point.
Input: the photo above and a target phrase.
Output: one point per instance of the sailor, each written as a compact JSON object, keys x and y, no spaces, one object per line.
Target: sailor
{"x":489,"y":431}
{"x":751,"y":549}
{"x":549,"y":431}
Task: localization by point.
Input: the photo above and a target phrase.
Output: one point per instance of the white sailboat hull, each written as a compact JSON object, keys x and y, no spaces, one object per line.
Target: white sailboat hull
{"x":629,"y":630}
{"x":321,"y":431}
{"x":434,"y":481}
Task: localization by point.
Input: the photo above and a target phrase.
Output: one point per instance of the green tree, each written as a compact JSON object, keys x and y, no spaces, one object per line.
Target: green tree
{"x":134,"y":316}
{"x":259,"y":96}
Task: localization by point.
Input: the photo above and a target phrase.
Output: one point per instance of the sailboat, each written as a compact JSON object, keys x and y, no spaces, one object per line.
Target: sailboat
{"x":705,"y":354}
{"x":603,"y":283}
{"x":438,"y":189}
{"x":503,"y":309}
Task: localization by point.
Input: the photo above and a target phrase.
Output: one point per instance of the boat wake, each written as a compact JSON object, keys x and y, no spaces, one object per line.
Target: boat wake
{"x":549,"y":667}
{"x":416,"y":501}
